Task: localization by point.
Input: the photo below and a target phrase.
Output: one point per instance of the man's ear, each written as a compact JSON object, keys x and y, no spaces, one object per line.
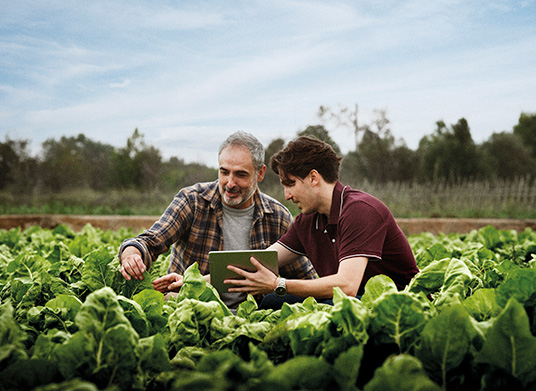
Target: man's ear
{"x":314,"y":177}
{"x":260,"y":174}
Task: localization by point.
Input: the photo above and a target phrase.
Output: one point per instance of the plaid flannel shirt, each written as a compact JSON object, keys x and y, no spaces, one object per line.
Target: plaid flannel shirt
{"x":192,"y":226}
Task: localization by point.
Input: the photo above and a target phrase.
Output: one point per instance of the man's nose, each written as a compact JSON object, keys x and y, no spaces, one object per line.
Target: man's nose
{"x":231,"y":182}
{"x":288,"y":195}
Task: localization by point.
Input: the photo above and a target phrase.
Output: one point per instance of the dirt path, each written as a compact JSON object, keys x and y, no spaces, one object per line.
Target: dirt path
{"x":410,"y":226}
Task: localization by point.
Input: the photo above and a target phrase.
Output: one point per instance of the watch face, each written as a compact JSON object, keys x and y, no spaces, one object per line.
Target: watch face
{"x":280,"y":291}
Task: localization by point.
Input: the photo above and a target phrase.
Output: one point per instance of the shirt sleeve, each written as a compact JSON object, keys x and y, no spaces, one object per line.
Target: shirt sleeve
{"x":164,"y":232}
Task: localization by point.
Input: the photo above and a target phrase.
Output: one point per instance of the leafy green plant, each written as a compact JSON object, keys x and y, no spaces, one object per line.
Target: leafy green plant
{"x":68,"y":320}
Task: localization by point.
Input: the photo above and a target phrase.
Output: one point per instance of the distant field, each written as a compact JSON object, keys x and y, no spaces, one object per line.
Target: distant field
{"x":498,"y":199}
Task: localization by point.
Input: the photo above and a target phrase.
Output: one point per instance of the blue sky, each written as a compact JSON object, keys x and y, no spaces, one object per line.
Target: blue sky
{"x":188,"y":73}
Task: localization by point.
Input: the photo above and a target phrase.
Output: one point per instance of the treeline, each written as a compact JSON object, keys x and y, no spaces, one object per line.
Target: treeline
{"x":81,"y":163}
{"x":448,"y":154}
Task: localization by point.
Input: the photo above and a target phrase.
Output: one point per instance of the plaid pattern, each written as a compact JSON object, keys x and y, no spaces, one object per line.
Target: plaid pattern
{"x":192,"y":226}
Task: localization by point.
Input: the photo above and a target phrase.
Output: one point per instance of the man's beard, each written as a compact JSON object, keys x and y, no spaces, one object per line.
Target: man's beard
{"x":235,"y":202}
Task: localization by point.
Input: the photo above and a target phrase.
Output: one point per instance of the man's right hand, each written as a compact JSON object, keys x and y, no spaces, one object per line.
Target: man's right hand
{"x":132,"y":265}
{"x":171,"y":282}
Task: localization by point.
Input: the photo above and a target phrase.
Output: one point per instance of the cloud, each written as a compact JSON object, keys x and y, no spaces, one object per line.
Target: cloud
{"x":192,"y":72}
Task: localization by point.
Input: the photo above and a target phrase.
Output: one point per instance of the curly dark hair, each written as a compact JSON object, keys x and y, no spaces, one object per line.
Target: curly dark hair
{"x":304,"y":154}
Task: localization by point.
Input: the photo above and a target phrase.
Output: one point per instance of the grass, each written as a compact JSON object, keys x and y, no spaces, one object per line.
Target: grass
{"x":490,"y":199}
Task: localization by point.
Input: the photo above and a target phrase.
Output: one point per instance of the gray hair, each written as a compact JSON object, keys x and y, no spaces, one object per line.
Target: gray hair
{"x":251,"y":142}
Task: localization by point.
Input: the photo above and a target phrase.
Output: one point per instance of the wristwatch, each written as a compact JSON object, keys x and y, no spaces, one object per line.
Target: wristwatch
{"x":281,"y":288}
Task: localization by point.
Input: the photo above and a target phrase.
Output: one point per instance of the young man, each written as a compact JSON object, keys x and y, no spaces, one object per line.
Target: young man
{"x":348,"y":235}
{"x":228,"y":214}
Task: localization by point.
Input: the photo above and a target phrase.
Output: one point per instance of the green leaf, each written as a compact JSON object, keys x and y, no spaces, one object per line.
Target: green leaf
{"x":196,"y":287}
{"x":456,"y":282}
{"x":303,"y":373}
{"x":152,"y":303}
{"x":135,"y":315}
{"x":97,"y":272}
{"x":399,"y":318}
{"x":431,"y":278}
{"x":190,"y":321}
{"x":401,"y":373}
{"x":11,"y":337}
{"x":445,"y":341}
{"x":434,"y":253}
{"x":99,"y":312}
{"x":520,"y":284}
{"x":27,"y":374}
{"x":307,"y":331}
{"x":347,"y":366}
{"x":509,"y":344}
{"x":377,"y":286}
{"x":482,"y":305}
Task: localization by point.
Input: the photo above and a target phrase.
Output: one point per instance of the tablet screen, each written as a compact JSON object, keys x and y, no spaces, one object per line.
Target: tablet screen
{"x":218,"y":261}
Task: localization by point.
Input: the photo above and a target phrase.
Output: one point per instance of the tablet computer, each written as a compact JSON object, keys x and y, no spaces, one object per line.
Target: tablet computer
{"x":218,"y":261}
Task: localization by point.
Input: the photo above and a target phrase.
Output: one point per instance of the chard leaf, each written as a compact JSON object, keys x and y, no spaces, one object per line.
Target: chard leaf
{"x":306,"y":332}
{"x":100,"y":311}
{"x":153,"y":356}
{"x":115,"y":359}
{"x":103,"y":349}
{"x":430,"y":279}
{"x":152,"y":304}
{"x":97,"y":272}
{"x":135,"y":315}
{"x":196,"y":287}
{"x":399,"y":318}
{"x":401,"y":373}
{"x":509,"y":344}
{"x":246,"y":332}
{"x":456,"y":282}
{"x":346,"y":366}
{"x":431,"y":254}
{"x":11,"y":337}
{"x":70,"y":303}
{"x":445,"y":341}
{"x":482,"y":304}
{"x":377,"y":286}
{"x":190,"y":322}
{"x":303,"y":373}
{"x":520,"y":284}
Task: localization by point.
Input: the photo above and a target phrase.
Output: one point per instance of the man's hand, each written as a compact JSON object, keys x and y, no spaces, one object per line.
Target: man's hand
{"x":132,"y":265}
{"x":263,"y":280}
{"x":169,"y":283}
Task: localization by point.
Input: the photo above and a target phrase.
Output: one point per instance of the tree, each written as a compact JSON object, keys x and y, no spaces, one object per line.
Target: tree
{"x":526,"y":130}
{"x":138,"y":164}
{"x":270,"y":183}
{"x":507,"y":156}
{"x":17,"y":168}
{"x":76,"y":162}
{"x":343,"y":117}
{"x":449,"y":153}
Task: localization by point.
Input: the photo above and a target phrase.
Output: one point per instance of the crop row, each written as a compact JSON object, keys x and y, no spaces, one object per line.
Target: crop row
{"x":69,"y":321}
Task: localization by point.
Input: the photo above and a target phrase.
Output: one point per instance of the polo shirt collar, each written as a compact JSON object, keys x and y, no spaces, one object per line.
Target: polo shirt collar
{"x":335,"y":210}
{"x":336,"y":203}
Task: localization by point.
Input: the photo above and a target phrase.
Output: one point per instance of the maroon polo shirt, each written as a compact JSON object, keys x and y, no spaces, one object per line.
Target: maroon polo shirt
{"x":359,"y":225}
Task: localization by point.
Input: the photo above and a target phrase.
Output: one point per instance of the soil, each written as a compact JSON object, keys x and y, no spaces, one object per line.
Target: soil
{"x":410,"y":226}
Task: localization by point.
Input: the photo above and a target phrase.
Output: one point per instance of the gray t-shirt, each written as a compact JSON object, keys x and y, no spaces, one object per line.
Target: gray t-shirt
{"x":236,"y":231}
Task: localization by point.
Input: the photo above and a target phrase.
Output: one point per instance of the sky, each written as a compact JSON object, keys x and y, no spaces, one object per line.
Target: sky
{"x":188,"y":73}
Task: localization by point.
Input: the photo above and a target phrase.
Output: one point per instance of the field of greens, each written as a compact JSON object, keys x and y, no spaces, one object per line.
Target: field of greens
{"x":69,"y":321}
